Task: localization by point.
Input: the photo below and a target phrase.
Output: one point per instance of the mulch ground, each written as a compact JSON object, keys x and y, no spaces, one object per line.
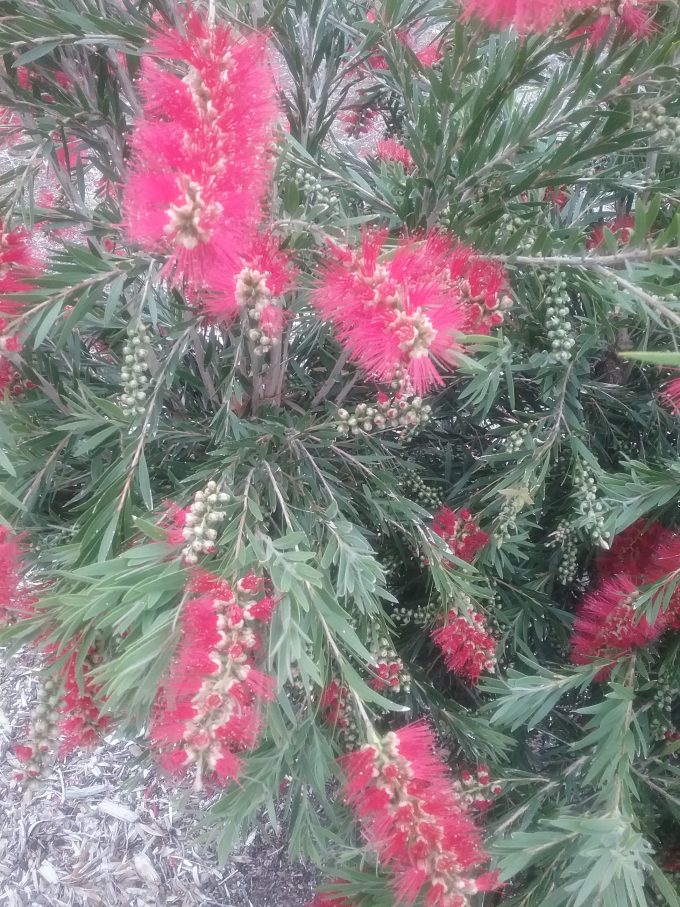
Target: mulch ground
{"x":105,"y":831}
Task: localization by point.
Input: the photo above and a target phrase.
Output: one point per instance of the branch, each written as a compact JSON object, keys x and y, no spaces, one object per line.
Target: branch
{"x":327,"y":386}
{"x":587,"y":261}
{"x":652,"y":301}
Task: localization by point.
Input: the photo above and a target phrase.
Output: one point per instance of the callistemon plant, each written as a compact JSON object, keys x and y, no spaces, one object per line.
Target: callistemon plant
{"x":339,"y":428}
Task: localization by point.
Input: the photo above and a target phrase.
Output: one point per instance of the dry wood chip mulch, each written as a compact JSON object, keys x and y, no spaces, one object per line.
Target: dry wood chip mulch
{"x":102,"y":833}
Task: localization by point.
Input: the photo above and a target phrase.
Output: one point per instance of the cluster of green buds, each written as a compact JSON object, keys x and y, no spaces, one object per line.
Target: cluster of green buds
{"x":559,"y":327}
{"x":509,"y":225}
{"x":402,"y":414}
{"x":664,"y":693}
{"x":515,"y":501}
{"x":592,"y":510}
{"x":666,"y":128}
{"x":565,"y":539}
{"x":422,"y":616}
{"x":202,"y":521}
{"x":523,"y":438}
{"x":389,"y":674}
{"x":515,"y":441}
{"x":37,"y":753}
{"x":134,"y":374}
{"x":418,"y":490}
{"x":254,"y":299}
{"x":313,"y":190}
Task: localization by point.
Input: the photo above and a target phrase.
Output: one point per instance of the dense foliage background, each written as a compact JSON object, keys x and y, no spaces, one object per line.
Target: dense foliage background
{"x":554,"y":158}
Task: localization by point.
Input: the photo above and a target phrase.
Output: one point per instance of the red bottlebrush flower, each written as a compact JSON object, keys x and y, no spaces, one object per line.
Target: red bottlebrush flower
{"x":483,"y":286}
{"x":82,"y":724}
{"x":670,"y":396}
{"x":607,"y":624}
{"x":15,"y":601}
{"x":267,"y":273}
{"x":631,"y":551}
{"x":636,"y":17}
{"x":392,"y":150}
{"x":208,"y":711}
{"x":17,"y":270}
{"x":460,"y":531}
{"x":9,"y":376}
{"x":646,"y":553}
{"x":664,"y":557}
{"x":664,"y":562}
{"x":201,"y":153}
{"x":430,"y":55}
{"x":176,"y":518}
{"x":524,"y":15}
{"x":333,"y":704}
{"x":396,"y":314}
{"x":466,"y":645}
{"x":357,"y":118}
{"x":23,"y":753}
{"x":558,"y":197}
{"x":621,"y":227}
{"x":411,"y":817}
{"x":329,"y":900}
{"x":633,"y":17}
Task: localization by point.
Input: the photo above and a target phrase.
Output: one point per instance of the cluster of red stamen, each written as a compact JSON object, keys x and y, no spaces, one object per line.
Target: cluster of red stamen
{"x":201,"y":157}
{"x":412,"y":818}
{"x":621,"y":228}
{"x":209,"y":708}
{"x":466,"y":645}
{"x":17,"y":269}
{"x":460,"y":531}
{"x":16,"y":600}
{"x":403,"y":314}
{"x":630,"y":16}
{"x":476,"y":789}
{"x":392,"y":150}
{"x":607,"y":621}
{"x":82,"y":723}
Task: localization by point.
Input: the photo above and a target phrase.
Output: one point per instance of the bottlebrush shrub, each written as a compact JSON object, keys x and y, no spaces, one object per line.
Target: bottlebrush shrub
{"x":339,"y":427}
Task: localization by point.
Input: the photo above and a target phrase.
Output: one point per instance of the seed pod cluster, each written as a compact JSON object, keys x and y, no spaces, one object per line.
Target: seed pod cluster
{"x":560,"y":328}
{"x":202,"y":521}
{"x":43,"y":733}
{"x":666,"y":128}
{"x":134,"y":374}
{"x":585,"y":490}
{"x":401,"y":414}
{"x":565,"y":539}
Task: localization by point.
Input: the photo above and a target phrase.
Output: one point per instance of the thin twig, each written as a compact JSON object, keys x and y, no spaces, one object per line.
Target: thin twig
{"x":327,"y":386}
{"x":277,"y":492}
{"x":587,"y":261}
{"x":52,"y":457}
{"x":106,"y":277}
{"x":242,"y":521}
{"x":652,"y":301}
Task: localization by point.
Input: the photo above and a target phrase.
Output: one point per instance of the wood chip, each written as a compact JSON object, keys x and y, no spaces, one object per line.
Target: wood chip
{"x":145,"y":869}
{"x":48,"y":872}
{"x":117,"y":810}
{"x":118,"y":835}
